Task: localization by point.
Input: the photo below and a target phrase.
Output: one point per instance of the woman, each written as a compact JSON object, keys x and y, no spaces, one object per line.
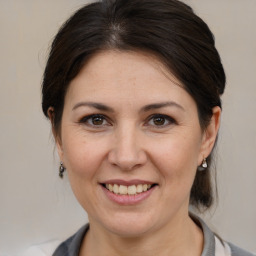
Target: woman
{"x":132,"y":89}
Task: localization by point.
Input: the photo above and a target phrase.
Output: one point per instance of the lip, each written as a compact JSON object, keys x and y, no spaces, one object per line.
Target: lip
{"x":128,"y":199}
{"x":127,"y":183}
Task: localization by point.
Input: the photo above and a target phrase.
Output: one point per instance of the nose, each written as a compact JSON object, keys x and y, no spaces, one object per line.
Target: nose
{"x":126,"y":151}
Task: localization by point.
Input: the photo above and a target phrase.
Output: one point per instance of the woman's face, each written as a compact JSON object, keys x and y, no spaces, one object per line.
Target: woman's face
{"x":127,"y":126}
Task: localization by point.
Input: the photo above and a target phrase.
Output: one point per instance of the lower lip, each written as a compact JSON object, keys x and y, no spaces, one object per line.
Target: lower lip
{"x":128,"y":199}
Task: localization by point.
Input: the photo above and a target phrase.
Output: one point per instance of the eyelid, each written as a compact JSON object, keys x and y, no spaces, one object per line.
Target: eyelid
{"x":84,"y":120}
{"x":170,"y":119}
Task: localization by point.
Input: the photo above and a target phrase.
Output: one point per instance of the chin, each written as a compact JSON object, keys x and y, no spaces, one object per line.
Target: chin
{"x":129,"y":225}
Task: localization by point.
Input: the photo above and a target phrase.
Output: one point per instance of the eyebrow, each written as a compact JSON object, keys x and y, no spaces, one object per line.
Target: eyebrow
{"x":96,"y":105}
{"x":161,"y":105}
{"x":146,"y":108}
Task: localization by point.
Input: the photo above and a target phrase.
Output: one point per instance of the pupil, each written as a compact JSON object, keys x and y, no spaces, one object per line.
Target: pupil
{"x":159,"y":121}
{"x":97,"y":120}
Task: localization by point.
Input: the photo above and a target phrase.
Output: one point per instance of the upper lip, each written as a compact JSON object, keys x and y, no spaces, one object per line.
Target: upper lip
{"x":127,"y":182}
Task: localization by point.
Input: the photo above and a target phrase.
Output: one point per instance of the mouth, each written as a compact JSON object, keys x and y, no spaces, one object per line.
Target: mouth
{"x":134,"y":189}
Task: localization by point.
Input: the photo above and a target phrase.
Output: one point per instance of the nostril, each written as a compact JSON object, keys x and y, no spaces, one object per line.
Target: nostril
{"x":127,"y":162}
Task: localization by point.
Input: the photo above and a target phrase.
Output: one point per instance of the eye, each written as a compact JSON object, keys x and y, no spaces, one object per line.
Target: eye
{"x":95,"y":120}
{"x":160,"y":121}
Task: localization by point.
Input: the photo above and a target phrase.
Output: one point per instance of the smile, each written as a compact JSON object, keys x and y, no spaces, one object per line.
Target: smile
{"x":128,"y":190}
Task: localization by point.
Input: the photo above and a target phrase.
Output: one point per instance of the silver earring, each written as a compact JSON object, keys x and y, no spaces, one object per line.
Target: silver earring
{"x":61,"y":170}
{"x":203,"y":165}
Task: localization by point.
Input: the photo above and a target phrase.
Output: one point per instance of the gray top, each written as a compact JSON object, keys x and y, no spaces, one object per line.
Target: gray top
{"x":72,"y":245}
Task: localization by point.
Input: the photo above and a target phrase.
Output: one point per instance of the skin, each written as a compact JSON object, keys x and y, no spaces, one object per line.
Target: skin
{"x":131,"y":141}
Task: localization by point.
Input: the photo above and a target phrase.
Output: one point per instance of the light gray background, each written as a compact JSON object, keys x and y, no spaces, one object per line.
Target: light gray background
{"x":35,"y":206}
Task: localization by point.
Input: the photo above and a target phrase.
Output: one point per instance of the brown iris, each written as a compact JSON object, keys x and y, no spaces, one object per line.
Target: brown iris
{"x":159,"y":120}
{"x":97,"y":120}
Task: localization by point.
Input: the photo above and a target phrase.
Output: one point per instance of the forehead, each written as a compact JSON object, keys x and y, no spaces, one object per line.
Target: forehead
{"x":138,"y":58}
{"x":125,"y":76}
{"x":115,"y":65}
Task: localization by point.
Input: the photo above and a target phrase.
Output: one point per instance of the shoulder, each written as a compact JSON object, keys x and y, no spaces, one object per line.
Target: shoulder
{"x":44,"y":249}
{"x":71,"y":246}
{"x":214,"y":245}
{"x":236,"y":251}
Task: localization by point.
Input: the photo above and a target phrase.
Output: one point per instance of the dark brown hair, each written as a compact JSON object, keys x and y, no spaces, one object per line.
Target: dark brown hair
{"x":168,"y":29}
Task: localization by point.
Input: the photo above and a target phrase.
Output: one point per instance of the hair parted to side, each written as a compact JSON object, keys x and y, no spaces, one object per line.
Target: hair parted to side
{"x":167,"y":29}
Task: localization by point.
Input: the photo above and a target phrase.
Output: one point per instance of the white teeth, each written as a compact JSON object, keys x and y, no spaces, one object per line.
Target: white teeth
{"x":132,"y":190}
{"x":128,"y":190}
{"x":123,"y":190}
{"x":115,"y":189}
{"x":139,"y":188}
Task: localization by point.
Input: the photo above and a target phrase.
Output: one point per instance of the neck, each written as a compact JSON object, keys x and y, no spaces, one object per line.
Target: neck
{"x":181,"y":237}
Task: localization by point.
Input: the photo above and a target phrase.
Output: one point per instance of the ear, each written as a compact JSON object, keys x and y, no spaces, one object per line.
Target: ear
{"x":210,"y":134}
{"x":56,"y":134}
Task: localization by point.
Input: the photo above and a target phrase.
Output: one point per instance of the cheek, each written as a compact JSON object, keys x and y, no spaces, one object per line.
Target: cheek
{"x":82,"y":156}
{"x":177,"y":159}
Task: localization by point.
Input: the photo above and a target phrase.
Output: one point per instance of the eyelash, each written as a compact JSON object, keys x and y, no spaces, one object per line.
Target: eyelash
{"x":89,"y":119}
{"x":166,"y":118}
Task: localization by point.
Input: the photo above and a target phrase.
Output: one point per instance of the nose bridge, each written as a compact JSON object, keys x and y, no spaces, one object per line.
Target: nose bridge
{"x":127,"y":151}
